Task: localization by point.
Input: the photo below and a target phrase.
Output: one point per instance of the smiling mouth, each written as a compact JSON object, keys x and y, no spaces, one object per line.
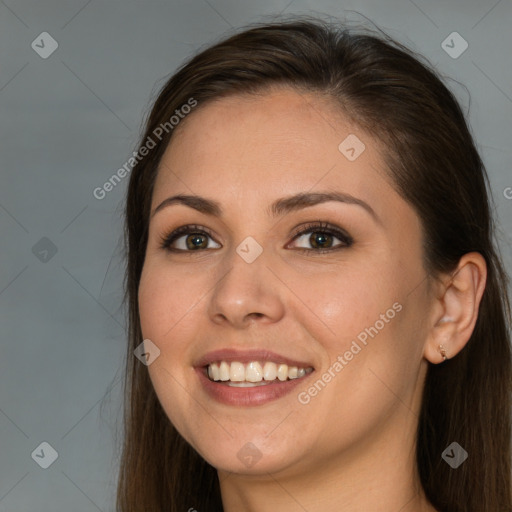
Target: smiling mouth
{"x":254,"y":373}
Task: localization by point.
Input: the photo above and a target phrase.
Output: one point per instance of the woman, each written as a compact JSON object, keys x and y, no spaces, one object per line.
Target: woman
{"x":314,"y":290}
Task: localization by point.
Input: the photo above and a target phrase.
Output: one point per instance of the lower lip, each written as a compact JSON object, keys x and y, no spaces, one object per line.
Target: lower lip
{"x":257,"y":395}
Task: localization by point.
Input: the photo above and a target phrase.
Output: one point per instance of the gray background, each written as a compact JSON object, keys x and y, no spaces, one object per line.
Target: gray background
{"x":67,"y":123}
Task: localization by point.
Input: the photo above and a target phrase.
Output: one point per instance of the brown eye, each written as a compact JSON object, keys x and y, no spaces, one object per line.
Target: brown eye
{"x":196,"y":241}
{"x":322,"y":238}
{"x":188,"y":239}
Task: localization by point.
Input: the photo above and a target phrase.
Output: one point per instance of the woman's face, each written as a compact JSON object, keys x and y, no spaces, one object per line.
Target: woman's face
{"x":243,"y":289}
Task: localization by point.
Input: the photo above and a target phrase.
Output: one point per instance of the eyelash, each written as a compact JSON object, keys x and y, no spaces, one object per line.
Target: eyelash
{"x":316,"y":227}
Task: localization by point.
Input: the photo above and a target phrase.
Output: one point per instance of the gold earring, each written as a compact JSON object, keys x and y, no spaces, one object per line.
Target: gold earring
{"x":443,"y":352}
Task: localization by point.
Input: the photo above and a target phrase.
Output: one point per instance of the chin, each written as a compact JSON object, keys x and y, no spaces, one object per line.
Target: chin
{"x":257,"y":456}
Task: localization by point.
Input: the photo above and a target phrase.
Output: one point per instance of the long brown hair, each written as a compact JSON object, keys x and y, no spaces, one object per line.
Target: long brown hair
{"x":432,"y":160}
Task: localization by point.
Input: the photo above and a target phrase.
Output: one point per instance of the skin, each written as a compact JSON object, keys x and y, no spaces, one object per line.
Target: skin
{"x":351,"y":447}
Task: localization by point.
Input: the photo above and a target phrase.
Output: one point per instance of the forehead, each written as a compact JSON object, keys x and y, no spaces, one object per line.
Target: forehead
{"x":272,"y":136}
{"x":248,"y":150}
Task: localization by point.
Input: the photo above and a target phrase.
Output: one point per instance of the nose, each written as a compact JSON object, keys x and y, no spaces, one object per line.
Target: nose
{"x":246,"y":293}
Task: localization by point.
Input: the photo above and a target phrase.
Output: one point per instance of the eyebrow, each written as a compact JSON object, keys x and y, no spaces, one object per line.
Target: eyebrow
{"x":279,"y":207}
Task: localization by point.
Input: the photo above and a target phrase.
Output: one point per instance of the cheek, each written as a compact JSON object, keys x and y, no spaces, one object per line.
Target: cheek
{"x":166,"y":298}
{"x":353,"y":299}
{"x":365,"y":324}
{"x":166,"y":308}
{"x":380,"y":336}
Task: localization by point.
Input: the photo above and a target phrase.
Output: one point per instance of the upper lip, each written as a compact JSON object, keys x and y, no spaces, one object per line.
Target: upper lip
{"x":246,"y":356}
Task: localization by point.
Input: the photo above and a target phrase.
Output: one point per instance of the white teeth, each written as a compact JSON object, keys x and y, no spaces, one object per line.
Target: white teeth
{"x":282,"y":371}
{"x":237,"y":372}
{"x":246,"y":384}
{"x":254,"y":373}
{"x":214,"y":372}
{"x":223,"y":371}
{"x":270,"y":371}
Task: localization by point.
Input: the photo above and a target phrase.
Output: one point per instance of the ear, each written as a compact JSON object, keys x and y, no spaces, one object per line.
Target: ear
{"x":455,"y":310}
